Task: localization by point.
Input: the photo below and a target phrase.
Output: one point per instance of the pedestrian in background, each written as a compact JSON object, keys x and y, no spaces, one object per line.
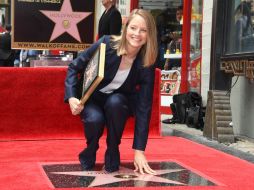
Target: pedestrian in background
{"x":110,"y":22}
{"x":7,"y":55}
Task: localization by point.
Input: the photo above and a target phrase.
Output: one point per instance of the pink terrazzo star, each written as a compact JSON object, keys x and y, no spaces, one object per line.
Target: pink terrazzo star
{"x":66,"y":20}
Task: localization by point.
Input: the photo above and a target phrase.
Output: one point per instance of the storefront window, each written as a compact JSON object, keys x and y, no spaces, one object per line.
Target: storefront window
{"x":240,"y":31}
{"x":194,"y":69}
{"x":196,"y":20}
{"x":2,"y":19}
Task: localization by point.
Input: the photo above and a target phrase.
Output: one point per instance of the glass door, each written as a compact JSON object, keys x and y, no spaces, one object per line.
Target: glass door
{"x":194,"y":68}
{"x":191,"y":46}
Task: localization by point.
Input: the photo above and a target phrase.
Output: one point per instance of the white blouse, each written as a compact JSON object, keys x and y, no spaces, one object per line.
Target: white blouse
{"x":118,"y":80}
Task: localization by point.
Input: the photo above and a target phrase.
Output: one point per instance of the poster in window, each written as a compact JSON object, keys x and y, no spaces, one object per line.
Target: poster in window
{"x":170,"y":82}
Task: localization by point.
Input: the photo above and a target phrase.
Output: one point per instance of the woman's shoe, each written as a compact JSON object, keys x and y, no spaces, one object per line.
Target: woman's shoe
{"x":169,"y":121}
{"x":87,"y":163}
{"x":86,"y":166}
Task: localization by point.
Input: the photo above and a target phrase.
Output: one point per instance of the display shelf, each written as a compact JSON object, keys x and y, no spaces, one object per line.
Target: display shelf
{"x":173,"y":56}
{"x":49,"y":63}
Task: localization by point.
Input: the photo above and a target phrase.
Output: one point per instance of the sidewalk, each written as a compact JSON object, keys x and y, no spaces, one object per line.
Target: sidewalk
{"x":243,"y":148}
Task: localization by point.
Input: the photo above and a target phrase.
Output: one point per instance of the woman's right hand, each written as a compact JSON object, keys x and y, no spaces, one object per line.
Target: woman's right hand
{"x":141,"y":164}
{"x":75,"y":106}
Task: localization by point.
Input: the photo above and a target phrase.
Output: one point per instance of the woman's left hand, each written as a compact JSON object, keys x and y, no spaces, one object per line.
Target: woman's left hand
{"x":141,"y":163}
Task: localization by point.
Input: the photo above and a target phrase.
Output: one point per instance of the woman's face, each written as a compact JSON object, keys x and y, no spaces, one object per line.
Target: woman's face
{"x":136,"y":34}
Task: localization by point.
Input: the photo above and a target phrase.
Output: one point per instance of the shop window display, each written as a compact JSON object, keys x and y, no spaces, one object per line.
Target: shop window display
{"x":240,"y":27}
{"x":194,"y":68}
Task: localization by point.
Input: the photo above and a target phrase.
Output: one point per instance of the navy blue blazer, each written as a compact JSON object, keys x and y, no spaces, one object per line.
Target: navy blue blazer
{"x":140,"y":76}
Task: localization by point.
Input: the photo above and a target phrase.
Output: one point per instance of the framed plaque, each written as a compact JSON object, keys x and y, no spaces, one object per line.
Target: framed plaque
{"x":94,"y":73}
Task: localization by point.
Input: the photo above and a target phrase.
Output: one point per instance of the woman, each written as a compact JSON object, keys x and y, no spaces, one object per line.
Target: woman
{"x":129,"y":62}
{"x":110,"y":22}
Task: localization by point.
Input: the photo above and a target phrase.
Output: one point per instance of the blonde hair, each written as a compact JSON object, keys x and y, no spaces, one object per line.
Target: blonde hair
{"x":149,"y":50}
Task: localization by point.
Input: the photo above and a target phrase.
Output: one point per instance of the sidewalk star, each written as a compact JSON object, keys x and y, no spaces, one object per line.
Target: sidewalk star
{"x":102,"y":177}
{"x":65,"y":20}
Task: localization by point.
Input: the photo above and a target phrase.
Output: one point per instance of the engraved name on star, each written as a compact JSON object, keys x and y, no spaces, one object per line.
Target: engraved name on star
{"x":102,"y":177}
{"x":65,"y":20}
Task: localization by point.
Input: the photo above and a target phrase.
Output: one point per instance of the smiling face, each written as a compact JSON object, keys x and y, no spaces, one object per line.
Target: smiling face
{"x":139,"y":35}
{"x":136,"y":34}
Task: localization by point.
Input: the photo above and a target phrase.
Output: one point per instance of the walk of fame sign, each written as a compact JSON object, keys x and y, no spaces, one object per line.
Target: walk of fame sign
{"x":167,"y":174}
{"x":53,"y":24}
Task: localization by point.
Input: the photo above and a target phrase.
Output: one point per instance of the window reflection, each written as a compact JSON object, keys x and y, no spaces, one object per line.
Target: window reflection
{"x":196,"y":27}
{"x":240,"y":27}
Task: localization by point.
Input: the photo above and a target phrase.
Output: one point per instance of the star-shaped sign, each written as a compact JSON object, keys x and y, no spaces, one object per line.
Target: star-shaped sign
{"x":124,"y":174}
{"x":66,"y":20}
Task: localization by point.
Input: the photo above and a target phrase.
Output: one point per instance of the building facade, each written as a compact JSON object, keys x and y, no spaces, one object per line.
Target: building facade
{"x":231,"y":56}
